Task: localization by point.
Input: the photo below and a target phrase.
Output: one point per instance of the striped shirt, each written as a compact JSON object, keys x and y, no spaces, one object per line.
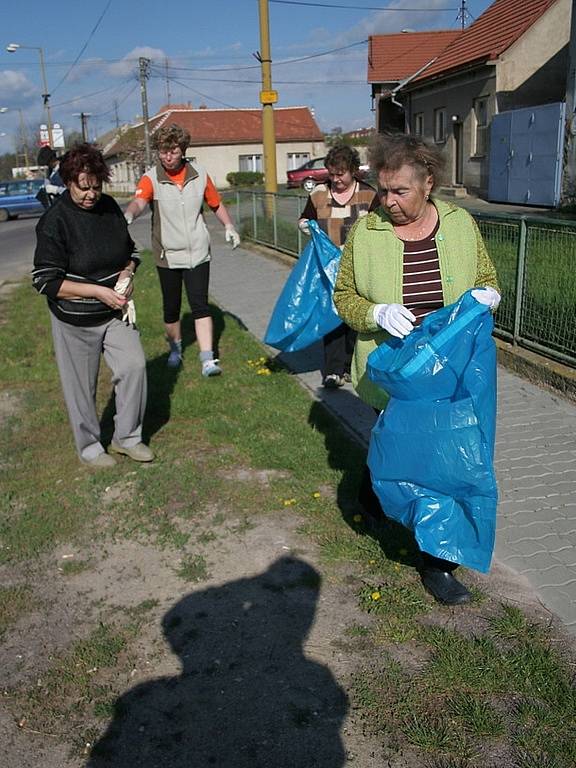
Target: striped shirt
{"x":422,"y":283}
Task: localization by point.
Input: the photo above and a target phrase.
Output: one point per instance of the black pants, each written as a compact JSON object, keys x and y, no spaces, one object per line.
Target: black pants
{"x":372,"y":509}
{"x":196,"y":283}
{"x":338,"y":349}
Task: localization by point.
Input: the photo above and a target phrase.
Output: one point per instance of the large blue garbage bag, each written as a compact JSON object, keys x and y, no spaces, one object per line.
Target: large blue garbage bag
{"x":305,"y":311}
{"x":431,"y":451}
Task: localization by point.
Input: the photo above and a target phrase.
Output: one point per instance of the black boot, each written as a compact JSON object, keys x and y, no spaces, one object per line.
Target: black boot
{"x":444,"y":587}
{"x":438,"y":577}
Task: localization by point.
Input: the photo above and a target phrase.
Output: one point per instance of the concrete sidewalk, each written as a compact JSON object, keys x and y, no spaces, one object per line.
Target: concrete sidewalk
{"x":535,"y":444}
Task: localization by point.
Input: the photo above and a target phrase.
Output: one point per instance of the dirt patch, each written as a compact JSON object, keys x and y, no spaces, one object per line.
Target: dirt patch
{"x":263,"y":477}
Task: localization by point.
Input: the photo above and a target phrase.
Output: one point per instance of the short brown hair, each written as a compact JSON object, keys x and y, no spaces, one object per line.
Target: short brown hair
{"x":342,"y":156}
{"x":83,"y":158}
{"x":389,"y":152}
{"x":171,"y":135}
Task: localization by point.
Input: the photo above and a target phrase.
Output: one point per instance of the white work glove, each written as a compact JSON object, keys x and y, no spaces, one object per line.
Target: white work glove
{"x":488,"y":296}
{"x":232,"y":237}
{"x":129,"y":309}
{"x":394,"y":318}
{"x":129,"y":217}
{"x":304,"y":227}
{"x":53,"y":189}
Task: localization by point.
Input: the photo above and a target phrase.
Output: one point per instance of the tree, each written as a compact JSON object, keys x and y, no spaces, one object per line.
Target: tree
{"x":7,"y":162}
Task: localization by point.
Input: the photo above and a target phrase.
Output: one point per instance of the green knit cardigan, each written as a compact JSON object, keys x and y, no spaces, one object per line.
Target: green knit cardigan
{"x":371,"y":272}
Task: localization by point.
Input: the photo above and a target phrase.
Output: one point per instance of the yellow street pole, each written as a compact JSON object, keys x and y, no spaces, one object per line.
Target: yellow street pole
{"x":268,"y":97}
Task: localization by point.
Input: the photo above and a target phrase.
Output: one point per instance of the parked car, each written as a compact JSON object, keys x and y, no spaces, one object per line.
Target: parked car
{"x":313,"y":172}
{"x":19,"y":196}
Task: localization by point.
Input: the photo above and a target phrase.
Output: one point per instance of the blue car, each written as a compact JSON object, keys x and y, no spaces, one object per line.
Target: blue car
{"x":19,"y":196}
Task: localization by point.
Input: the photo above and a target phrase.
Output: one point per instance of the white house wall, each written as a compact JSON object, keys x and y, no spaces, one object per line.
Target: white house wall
{"x":545,"y":38}
{"x":221,"y":160}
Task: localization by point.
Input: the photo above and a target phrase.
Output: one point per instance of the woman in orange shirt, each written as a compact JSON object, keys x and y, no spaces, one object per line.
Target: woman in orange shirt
{"x":176,"y":190}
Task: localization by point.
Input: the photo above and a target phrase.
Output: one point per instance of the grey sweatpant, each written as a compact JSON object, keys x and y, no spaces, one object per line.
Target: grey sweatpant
{"x":78,"y":352}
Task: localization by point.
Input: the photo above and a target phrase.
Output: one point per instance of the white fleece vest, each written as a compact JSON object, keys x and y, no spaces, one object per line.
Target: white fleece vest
{"x":180,"y":238}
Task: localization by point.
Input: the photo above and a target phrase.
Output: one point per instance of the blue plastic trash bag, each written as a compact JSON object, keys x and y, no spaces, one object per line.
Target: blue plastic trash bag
{"x":431,"y":451}
{"x":305,"y":311}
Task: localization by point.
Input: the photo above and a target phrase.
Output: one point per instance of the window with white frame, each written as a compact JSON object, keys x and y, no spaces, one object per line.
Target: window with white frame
{"x":440,"y":125}
{"x":296,"y":159}
{"x":480,"y":137}
{"x":250,"y":163}
{"x":419,"y":124}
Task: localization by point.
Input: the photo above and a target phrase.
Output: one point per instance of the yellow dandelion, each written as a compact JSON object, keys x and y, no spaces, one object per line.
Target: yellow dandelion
{"x":371,"y":562}
{"x":357,"y":518}
{"x":396,"y":567}
{"x":316,"y":495}
{"x":375,"y":595}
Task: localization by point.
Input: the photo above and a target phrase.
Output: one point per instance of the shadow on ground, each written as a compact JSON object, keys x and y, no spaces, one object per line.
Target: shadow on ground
{"x":349,"y":458}
{"x":247,"y":697}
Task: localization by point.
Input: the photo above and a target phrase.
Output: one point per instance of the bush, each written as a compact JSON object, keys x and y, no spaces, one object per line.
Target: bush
{"x":244,"y":178}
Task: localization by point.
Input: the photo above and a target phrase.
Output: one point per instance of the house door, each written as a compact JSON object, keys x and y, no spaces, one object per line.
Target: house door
{"x":526,"y":155}
{"x":458,"y":153}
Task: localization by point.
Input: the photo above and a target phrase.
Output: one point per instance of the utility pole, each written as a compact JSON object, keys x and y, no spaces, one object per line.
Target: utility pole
{"x":24,"y":138}
{"x":144,"y":74}
{"x":84,"y":123}
{"x":168,"y":94}
{"x":116,"y":117}
{"x":268,"y":97}
{"x":569,"y":175}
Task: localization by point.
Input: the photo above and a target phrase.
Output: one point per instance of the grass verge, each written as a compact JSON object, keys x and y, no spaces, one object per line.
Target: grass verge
{"x":495,"y":689}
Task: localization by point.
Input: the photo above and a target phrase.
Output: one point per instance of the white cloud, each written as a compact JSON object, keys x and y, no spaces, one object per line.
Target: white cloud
{"x":15,"y":89}
{"x":129,"y":63}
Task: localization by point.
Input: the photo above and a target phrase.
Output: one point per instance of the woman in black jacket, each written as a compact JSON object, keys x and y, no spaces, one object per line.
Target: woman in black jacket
{"x":84,"y":264}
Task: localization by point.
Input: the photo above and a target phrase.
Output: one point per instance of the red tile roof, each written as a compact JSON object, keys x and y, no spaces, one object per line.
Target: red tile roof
{"x":504,"y":22}
{"x":392,"y":58}
{"x":211,"y":127}
{"x":240,"y":126}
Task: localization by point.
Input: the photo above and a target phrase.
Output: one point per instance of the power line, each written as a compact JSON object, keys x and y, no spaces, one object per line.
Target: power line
{"x":360,"y":7}
{"x":258,"y":82}
{"x":90,"y":36}
{"x":94,"y":93}
{"x":155,"y":67}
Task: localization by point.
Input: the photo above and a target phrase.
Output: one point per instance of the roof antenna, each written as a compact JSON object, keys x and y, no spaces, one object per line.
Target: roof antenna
{"x":463,"y":14}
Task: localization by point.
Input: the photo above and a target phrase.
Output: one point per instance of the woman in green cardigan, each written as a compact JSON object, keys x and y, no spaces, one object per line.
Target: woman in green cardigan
{"x":408,"y":258}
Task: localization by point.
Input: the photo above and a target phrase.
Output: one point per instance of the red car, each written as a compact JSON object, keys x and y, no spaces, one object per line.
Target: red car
{"x":313,"y":172}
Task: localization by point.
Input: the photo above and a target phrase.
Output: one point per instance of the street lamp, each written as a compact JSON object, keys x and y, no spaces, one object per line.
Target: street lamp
{"x":12,"y":48}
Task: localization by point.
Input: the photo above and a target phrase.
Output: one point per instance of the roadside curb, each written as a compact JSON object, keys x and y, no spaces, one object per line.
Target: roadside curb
{"x":538,"y":369}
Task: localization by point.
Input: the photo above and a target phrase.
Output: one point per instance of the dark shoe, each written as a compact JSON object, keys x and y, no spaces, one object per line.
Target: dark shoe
{"x":138,"y":452}
{"x":333,"y":381}
{"x":444,"y":587}
{"x":347,"y":377}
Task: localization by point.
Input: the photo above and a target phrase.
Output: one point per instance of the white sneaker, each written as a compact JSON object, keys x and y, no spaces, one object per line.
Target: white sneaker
{"x":211,"y":368}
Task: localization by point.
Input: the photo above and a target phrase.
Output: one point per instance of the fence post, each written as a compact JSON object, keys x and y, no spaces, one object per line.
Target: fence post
{"x":297,"y":198}
{"x":254,"y":218}
{"x":238,"y":217}
{"x":274,"y":222}
{"x":520,"y":270}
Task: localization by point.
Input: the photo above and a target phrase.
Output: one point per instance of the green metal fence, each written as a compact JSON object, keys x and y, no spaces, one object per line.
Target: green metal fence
{"x":535,"y":258}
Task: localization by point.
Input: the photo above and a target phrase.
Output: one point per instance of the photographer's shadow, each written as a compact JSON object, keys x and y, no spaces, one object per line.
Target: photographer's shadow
{"x":247,"y":697}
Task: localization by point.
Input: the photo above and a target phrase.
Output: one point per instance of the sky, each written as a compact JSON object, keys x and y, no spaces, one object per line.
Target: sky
{"x":201,"y":52}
